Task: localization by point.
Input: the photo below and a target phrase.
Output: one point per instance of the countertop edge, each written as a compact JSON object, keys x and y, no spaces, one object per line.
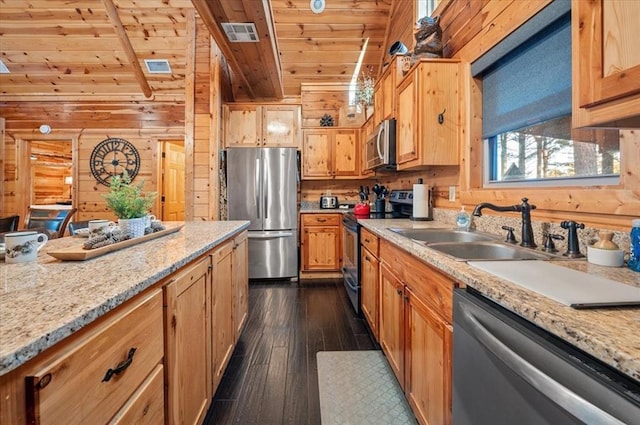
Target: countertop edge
{"x":37,"y":345}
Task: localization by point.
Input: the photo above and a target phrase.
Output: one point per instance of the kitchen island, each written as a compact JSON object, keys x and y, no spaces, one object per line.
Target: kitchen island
{"x":608,"y":334}
{"x":51,"y":310}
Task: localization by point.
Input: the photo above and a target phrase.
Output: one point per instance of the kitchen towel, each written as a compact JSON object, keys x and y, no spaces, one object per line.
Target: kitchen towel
{"x":420,"y":201}
{"x":359,"y":387}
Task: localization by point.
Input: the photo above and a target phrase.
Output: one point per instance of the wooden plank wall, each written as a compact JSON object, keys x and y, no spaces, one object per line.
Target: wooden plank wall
{"x":319,"y":99}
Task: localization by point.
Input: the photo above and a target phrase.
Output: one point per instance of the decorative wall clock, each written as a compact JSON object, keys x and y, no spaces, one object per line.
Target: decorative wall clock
{"x":112,"y":157}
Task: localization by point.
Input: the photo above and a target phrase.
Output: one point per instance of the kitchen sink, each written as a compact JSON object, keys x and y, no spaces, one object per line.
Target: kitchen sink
{"x":434,"y":235}
{"x":483,"y":251}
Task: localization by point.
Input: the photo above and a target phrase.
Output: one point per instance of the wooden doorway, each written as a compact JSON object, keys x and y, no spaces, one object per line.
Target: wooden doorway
{"x":173,"y":180}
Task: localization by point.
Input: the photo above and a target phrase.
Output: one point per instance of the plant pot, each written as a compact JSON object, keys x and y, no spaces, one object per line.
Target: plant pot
{"x":133,"y":226}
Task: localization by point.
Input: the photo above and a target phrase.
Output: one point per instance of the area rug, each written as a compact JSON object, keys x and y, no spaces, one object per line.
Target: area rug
{"x":357,"y":388}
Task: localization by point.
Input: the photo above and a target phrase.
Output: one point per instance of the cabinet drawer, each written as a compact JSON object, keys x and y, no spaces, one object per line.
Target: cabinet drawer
{"x":369,"y":241}
{"x":432,"y":287}
{"x":146,"y":406}
{"x":76,"y":387}
{"x":321,"y":219}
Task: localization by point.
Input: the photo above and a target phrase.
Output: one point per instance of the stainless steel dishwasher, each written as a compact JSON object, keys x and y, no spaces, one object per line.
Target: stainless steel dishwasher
{"x":508,"y":371}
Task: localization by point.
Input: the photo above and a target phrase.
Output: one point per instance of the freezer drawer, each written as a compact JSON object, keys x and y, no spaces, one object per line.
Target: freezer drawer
{"x":273,"y":254}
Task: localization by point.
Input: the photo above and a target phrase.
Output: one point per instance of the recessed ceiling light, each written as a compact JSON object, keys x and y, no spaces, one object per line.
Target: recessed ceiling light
{"x":45,"y":129}
{"x":3,"y":68}
{"x":157,"y":66}
{"x":241,"y":32}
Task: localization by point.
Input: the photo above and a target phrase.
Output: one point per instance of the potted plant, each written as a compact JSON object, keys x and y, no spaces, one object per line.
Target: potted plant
{"x":129,"y":203}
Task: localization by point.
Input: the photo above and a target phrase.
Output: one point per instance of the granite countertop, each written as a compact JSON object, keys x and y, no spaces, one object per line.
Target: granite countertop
{"x":45,"y":301}
{"x":609,"y":334}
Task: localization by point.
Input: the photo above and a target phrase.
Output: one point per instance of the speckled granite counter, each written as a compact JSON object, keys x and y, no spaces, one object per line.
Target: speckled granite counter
{"x":43,"y":302}
{"x":609,"y":334}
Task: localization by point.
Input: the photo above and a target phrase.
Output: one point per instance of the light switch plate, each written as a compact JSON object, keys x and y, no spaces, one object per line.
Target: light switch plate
{"x":452,"y":193}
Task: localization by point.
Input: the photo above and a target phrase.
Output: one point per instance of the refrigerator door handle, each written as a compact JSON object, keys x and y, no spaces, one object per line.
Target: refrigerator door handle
{"x":266,"y":192}
{"x":257,"y":186}
{"x":269,"y":235}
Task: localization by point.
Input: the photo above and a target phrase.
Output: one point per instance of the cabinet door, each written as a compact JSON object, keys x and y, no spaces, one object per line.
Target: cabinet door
{"x":389,"y":92}
{"x":317,"y":151}
{"x":427,"y":363}
{"x":242,"y":124}
{"x":320,"y":248}
{"x":188,"y":349}
{"x":370,"y":290}
{"x":281,"y":126}
{"x":240,"y":269}
{"x":406,"y":146}
{"x":609,"y":60}
{"x":146,"y":406}
{"x":346,"y":153}
{"x":392,"y":321}
{"x":222,"y":329}
{"x":378,"y":101}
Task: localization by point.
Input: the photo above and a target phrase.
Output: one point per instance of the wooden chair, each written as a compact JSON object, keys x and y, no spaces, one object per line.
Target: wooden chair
{"x":52,"y":220}
{"x":9,"y":223}
{"x":75,"y":225}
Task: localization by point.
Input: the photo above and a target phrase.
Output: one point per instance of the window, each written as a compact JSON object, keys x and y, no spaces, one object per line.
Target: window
{"x":526,"y":106}
{"x":426,"y":8}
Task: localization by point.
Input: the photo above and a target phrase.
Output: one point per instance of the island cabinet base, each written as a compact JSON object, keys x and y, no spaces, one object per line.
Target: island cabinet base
{"x":156,"y":358}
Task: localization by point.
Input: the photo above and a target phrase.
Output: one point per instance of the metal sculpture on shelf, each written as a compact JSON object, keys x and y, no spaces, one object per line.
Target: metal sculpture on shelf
{"x":428,"y":35}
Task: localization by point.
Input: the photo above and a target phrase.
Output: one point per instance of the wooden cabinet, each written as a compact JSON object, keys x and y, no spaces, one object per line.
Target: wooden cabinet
{"x":330,"y":154}
{"x":428,"y":122}
{"x":321,"y":242}
{"x":240,"y":271}
{"x":95,"y":375}
{"x":370,"y":280}
{"x":251,"y":125}
{"x":223,"y":333}
{"x":606,"y":71}
{"x":367,"y":129}
{"x":188,"y":345}
{"x":392,"y":320}
{"x":416,"y":334}
{"x":385,"y":92}
{"x":146,"y":406}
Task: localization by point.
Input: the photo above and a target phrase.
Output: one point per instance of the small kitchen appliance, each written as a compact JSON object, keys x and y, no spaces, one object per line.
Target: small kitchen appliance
{"x":328,"y":202}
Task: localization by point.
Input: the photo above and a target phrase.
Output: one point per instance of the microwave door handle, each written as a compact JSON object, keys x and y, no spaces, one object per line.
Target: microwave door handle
{"x":378,"y":140}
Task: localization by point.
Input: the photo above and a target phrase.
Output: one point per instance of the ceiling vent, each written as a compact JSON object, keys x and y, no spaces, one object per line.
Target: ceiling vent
{"x":241,"y":33}
{"x":3,"y":68}
{"x":157,"y":66}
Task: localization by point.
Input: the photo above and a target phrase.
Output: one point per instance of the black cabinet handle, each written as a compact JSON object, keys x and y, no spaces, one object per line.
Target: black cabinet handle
{"x":122,"y":366}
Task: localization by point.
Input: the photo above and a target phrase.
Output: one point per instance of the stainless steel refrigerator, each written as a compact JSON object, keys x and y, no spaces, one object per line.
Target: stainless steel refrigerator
{"x":262,"y":186}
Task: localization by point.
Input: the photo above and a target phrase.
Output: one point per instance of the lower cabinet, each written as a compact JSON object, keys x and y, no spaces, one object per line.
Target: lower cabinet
{"x":416,"y":333}
{"x":321,"y":246}
{"x":188,"y":346}
{"x":370,"y":280}
{"x":157,"y":358}
{"x":223,"y":335}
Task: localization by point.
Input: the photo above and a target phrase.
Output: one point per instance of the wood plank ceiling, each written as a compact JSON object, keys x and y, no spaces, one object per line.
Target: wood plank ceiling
{"x":95,"y":50}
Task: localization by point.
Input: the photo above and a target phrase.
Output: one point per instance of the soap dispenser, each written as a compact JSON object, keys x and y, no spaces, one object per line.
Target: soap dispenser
{"x":463,"y":220}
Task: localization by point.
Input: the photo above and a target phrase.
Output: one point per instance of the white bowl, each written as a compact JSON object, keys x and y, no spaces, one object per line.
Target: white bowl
{"x":605,"y":257}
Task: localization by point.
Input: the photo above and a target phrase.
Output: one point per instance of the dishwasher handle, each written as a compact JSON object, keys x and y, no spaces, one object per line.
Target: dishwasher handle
{"x":559,"y":394}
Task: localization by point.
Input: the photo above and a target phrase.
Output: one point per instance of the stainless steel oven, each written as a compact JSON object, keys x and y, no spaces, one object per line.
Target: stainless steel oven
{"x":351,"y":259}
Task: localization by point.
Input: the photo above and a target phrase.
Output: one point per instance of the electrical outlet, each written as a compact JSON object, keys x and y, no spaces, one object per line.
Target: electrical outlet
{"x":452,"y":193}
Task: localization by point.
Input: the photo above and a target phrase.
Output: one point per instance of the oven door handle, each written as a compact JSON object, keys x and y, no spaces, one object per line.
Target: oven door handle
{"x":553,"y":390}
{"x":348,"y":281}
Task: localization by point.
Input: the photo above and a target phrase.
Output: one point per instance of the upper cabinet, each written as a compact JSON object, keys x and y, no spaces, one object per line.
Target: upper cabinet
{"x":606,"y":72}
{"x":428,"y":122}
{"x":252,"y":125}
{"x":330,"y":154}
{"x":384,"y":97}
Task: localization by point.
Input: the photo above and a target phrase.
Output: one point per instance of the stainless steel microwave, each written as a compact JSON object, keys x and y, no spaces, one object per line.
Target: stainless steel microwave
{"x":380,"y":149}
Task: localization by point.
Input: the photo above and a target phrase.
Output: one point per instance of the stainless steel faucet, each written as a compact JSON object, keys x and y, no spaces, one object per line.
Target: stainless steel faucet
{"x":525,"y":208}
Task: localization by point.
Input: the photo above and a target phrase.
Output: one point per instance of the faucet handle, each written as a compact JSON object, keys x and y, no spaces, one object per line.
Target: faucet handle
{"x":511,"y":238}
{"x":573,"y":244}
{"x":549,"y":246}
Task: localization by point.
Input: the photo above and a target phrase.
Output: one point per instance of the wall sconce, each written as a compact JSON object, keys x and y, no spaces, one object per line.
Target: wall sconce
{"x":69,"y":181}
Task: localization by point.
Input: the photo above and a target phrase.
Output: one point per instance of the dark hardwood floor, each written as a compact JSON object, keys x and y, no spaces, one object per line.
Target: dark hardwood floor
{"x":272,"y":376}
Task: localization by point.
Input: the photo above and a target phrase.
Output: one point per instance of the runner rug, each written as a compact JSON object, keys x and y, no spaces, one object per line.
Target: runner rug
{"x":359,"y":387}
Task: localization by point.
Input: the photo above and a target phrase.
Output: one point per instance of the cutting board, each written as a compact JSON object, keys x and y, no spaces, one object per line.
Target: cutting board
{"x":567,"y":286}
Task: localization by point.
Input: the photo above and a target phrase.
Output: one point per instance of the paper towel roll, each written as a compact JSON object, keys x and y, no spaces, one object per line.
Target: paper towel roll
{"x":420,"y":201}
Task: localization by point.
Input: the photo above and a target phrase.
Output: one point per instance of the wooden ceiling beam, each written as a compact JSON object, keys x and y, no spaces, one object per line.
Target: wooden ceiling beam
{"x":112,"y":12}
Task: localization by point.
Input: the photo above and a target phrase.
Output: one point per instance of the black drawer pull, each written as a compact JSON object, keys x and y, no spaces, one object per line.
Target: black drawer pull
{"x":122,"y":366}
